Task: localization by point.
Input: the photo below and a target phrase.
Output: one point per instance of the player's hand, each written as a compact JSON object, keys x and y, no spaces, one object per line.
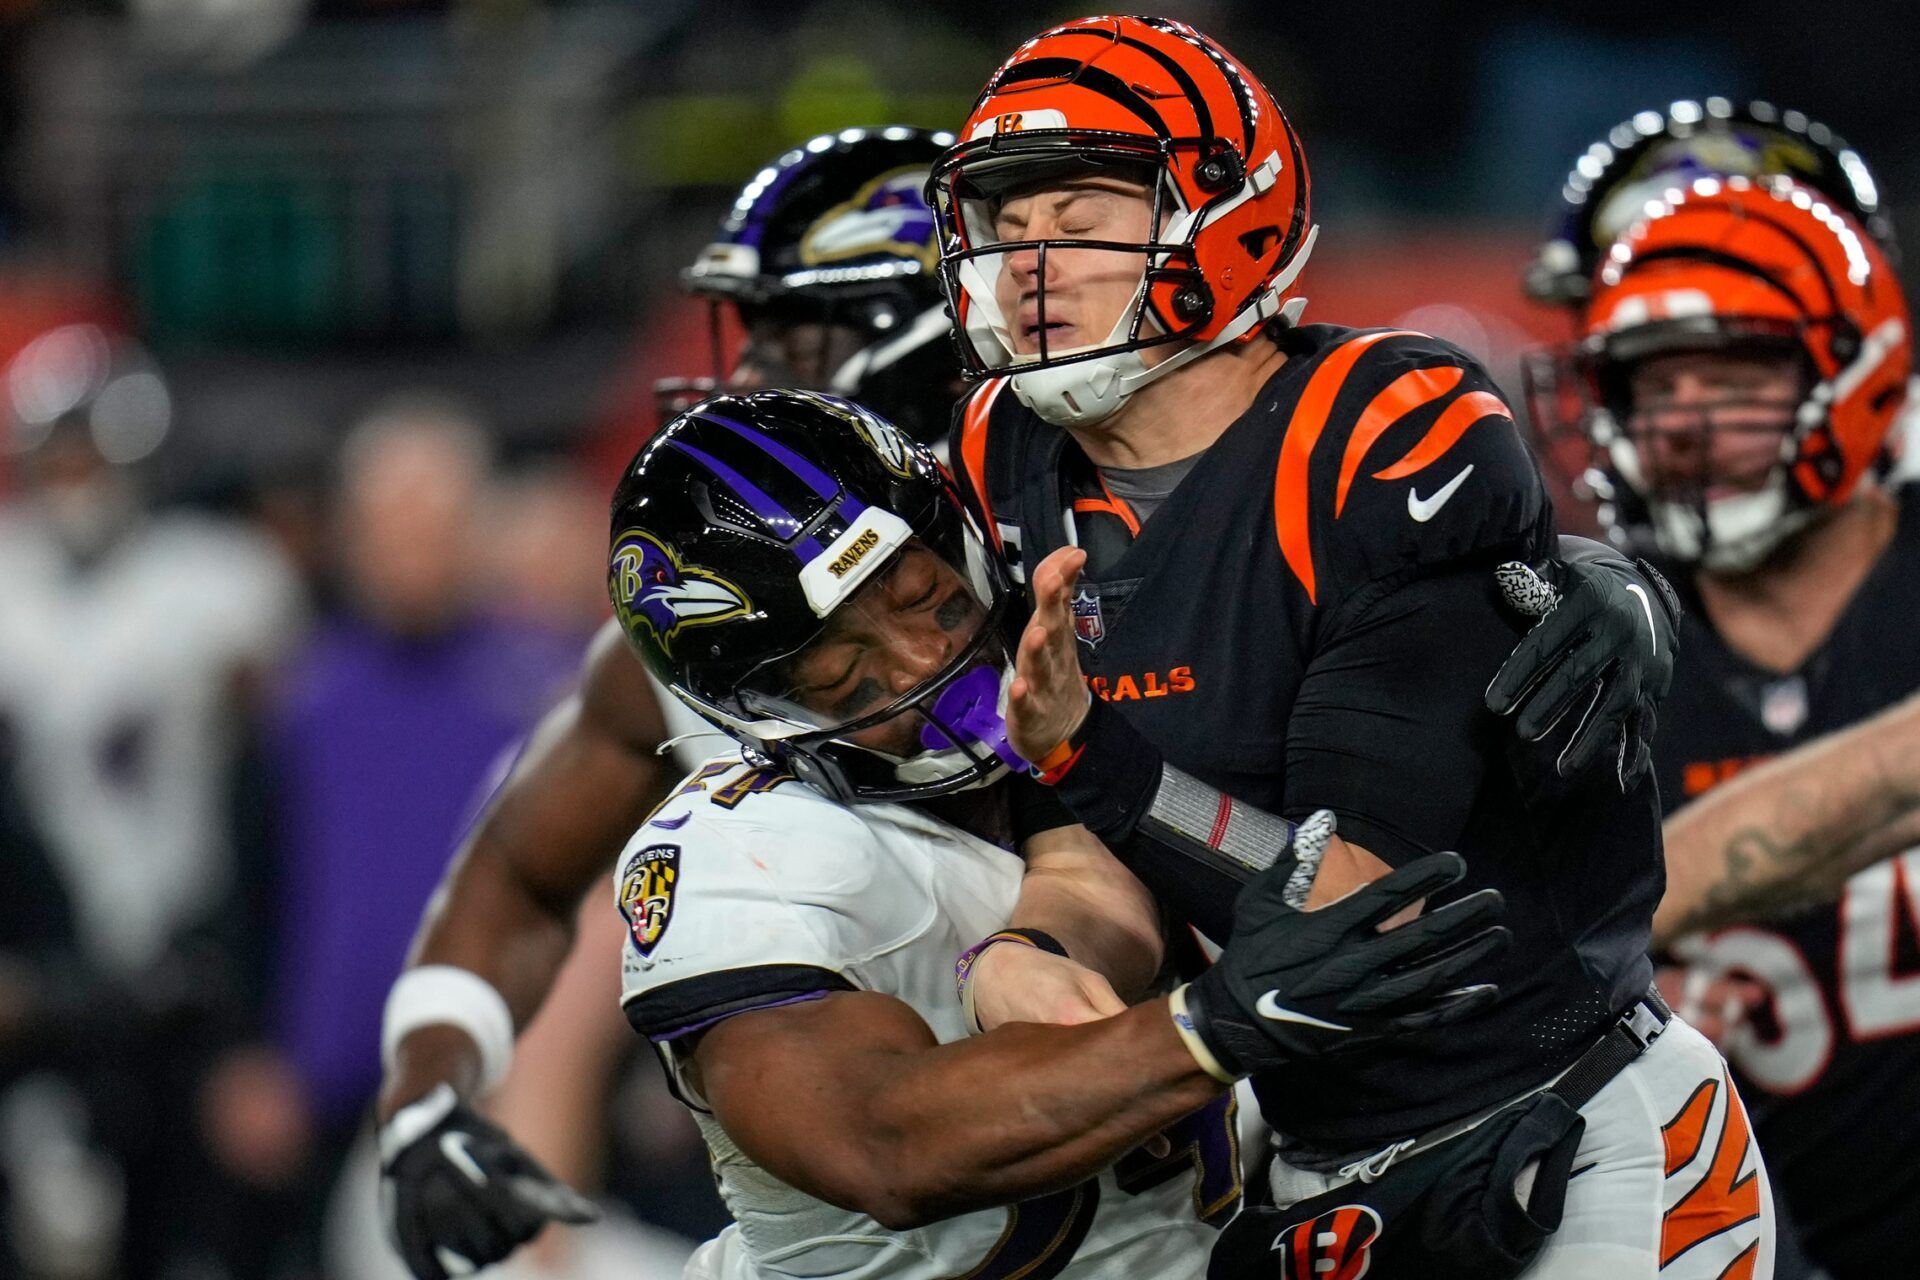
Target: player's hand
{"x":1047,"y":698}
{"x":1604,"y":645}
{"x":457,"y":1194}
{"x":1015,"y":983}
{"x":1296,"y":984}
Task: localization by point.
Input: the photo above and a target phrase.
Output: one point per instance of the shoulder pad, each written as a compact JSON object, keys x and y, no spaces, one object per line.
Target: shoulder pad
{"x":968,"y":450}
{"x":1400,"y":453}
{"x":744,"y":867}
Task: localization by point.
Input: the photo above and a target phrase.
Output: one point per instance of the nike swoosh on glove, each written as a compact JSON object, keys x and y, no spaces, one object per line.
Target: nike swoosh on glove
{"x":458,"y":1194}
{"x":1605,"y":644}
{"x":1296,"y":984}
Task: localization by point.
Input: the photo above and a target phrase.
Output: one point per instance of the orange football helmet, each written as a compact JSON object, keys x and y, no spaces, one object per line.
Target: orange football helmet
{"x":1760,"y":267}
{"x":1146,"y":97}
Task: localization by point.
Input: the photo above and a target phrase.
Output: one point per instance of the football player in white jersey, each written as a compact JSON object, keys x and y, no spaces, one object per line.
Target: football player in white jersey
{"x":805,"y":576}
{"x":123,"y":638}
{"x":130,"y":639}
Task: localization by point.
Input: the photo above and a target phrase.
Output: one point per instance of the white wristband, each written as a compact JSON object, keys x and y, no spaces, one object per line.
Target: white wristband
{"x":1183,"y":1023}
{"x":444,"y":995}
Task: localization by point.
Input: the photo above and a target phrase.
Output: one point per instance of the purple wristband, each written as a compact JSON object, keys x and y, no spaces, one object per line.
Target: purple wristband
{"x":963,"y":967}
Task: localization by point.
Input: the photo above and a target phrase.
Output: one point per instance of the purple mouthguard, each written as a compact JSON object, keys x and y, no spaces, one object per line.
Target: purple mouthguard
{"x":970,"y":707}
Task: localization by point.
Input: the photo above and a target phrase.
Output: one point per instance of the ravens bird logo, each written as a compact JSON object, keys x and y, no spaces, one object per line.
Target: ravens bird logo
{"x":650,"y":587}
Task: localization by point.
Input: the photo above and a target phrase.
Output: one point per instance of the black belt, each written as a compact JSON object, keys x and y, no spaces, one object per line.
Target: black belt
{"x":1632,"y":1032}
{"x":1636,"y":1029}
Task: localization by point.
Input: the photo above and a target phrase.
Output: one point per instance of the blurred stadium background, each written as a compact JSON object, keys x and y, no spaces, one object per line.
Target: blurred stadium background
{"x":445,"y":236}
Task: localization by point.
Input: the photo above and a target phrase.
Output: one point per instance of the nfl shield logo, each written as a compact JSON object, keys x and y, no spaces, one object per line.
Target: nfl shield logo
{"x":1087,"y":622}
{"x":1783,"y":705}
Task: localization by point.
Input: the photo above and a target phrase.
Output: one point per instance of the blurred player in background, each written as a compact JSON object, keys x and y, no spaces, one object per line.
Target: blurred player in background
{"x":133,"y":642}
{"x":1644,"y":160}
{"x":1743,"y":361}
{"x":403,"y":698}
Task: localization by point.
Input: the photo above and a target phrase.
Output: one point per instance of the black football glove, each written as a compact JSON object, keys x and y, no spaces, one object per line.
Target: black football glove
{"x":457,"y":1193}
{"x":1296,"y":984}
{"x":1604,"y":644}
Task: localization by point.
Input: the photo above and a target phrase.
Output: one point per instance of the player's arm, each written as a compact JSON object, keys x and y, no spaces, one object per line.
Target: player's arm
{"x":1388,"y":729}
{"x":458,"y":1192}
{"x":1080,"y":898}
{"x":848,"y":1096}
{"x":505,"y":911}
{"x":1789,"y":832}
{"x":851,"y":1099}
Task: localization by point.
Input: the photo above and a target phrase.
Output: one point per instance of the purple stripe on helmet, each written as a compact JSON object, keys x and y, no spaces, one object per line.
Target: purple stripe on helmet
{"x":822,"y":484}
{"x":753,"y":226}
{"x":782,"y":521}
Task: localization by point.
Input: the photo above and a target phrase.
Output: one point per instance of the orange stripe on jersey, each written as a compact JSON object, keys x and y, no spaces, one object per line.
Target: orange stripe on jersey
{"x":1683,"y":1134}
{"x":1120,"y":508}
{"x":1115,"y":508}
{"x":1471,"y":408}
{"x":1290,"y":514}
{"x":973,"y":449}
{"x":1741,"y":1268}
{"x":1722,"y":1199}
{"x":1401,"y":397}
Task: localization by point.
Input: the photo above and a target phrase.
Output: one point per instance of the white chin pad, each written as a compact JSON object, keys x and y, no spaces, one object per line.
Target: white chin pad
{"x":1737,"y":533}
{"x":1082,"y":393}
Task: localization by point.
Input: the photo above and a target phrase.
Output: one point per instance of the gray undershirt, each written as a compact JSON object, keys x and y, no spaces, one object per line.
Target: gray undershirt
{"x":1145,"y":488}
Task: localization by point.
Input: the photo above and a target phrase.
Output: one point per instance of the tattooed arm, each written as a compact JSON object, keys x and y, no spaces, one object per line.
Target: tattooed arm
{"x":1788,"y":833}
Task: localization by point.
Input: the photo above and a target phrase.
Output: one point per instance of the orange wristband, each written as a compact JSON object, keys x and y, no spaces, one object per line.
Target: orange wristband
{"x":1054,"y":765}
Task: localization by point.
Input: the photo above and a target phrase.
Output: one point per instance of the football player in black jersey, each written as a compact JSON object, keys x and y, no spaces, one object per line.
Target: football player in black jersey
{"x":1735,"y":856}
{"x":1299,"y":615}
{"x":826,"y":260}
{"x":1745,"y":357}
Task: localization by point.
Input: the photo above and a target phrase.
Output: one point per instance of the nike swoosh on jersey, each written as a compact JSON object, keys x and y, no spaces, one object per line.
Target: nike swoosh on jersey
{"x":1645,"y":604}
{"x":1425,"y":509}
{"x":1272,"y":1010}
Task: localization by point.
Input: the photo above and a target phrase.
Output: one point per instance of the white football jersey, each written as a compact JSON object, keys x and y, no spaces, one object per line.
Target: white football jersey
{"x":748,"y":889}
{"x":120,"y":683}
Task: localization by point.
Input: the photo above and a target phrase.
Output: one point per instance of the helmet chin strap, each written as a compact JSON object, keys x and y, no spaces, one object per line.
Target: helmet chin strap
{"x":1088,"y":392}
{"x":930,"y":325}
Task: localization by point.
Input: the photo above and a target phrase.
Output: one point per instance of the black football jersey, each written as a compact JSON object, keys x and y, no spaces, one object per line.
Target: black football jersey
{"x":1831,"y":1068}
{"x":1310,"y":620}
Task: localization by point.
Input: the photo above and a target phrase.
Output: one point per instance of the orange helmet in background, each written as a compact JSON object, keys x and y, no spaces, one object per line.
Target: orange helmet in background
{"x":1746,"y":266}
{"x":1141,"y":97}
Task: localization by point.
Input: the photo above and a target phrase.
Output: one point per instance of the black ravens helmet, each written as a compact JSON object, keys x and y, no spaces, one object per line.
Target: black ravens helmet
{"x":1641,"y":158}
{"x":804,"y":576}
{"x":829,"y":257}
